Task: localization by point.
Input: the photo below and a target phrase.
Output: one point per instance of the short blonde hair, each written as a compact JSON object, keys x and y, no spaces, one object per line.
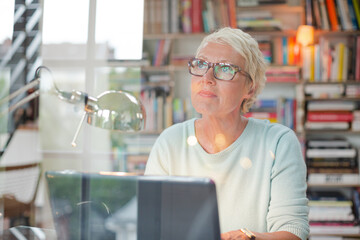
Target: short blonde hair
{"x":248,"y":48}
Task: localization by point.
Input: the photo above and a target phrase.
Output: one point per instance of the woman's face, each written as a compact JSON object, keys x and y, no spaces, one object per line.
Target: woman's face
{"x":213,"y":97}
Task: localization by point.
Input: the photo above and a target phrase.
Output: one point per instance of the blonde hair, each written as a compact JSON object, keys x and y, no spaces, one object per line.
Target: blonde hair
{"x":248,"y":48}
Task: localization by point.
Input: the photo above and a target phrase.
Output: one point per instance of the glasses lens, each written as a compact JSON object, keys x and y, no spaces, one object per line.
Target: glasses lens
{"x":224,"y":71}
{"x":198,"y":67}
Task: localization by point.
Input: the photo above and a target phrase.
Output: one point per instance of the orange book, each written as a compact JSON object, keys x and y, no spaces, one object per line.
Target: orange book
{"x":334,"y":23}
{"x":291,"y":54}
{"x":232,"y":13}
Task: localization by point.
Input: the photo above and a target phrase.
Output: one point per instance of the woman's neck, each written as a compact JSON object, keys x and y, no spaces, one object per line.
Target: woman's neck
{"x":215,"y":134}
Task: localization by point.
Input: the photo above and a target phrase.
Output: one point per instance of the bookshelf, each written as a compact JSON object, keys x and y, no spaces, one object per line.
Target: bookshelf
{"x":183,"y":43}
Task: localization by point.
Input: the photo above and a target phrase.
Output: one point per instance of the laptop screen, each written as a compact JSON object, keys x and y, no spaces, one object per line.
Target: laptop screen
{"x":109,"y":206}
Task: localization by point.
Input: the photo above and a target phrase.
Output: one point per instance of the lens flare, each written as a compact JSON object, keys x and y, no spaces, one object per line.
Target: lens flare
{"x":191,"y":140}
{"x":272,"y":155}
{"x":245,"y":163}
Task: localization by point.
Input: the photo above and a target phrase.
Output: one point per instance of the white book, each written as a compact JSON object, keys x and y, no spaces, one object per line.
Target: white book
{"x":327,"y":125}
{"x":333,"y":178}
{"x":318,"y":90}
{"x":328,"y":143}
{"x":331,"y":105}
{"x":334,"y":229}
{"x":331,"y":153}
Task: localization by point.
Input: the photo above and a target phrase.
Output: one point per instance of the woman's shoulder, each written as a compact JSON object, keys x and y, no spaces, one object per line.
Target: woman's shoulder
{"x":265,"y":126}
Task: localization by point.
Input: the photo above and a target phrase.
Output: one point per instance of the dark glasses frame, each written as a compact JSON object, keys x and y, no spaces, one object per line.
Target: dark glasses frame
{"x":213,"y":65}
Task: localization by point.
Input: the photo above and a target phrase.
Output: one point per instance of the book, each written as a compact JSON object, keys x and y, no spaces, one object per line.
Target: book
{"x":331,"y":153}
{"x":328,"y":143}
{"x":165,"y":18}
{"x":271,"y":116}
{"x":331,"y":105}
{"x":333,"y":178}
{"x":232,"y":13}
{"x":357,"y":61}
{"x":335,"y":228}
{"x":324,"y":91}
{"x":332,"y":13}
{"x":186,"y":16}
{"x":352,"y":15}
{"x":283,"y":74}
{"x":317,"y":14}
{"x":356,"y":6}
{"x":196,"y":16}
{"x":174,"y":15}
{"x":324,"y":16}
{"x":313,"y":116}
{"x":327,"y":125}
{"x":344,"y":14}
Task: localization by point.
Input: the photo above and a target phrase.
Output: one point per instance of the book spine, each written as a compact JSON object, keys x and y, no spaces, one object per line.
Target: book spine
{"x":329,"y":117}
{"x":356,"y":6}
{"x":330,"y":4}
{"x":186,"y":16}
{"x":232,"y":13}
{"x":357,"y":62}
{"x":197,"y":23}
{"x":324,"y":16}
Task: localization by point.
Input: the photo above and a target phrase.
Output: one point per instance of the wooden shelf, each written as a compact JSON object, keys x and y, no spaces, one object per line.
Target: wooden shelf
{"x":348,"y":33}
{"x":332,"y":131}
{"x":342,"y":98}
{"x":335,"y":235}
{"x":333,"y":185}
{"x":273,"y":8}
{"x":350,"y":82}
{"x":175,"y":36}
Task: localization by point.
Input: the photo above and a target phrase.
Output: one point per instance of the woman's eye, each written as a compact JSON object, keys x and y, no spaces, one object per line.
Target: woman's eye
{"x":226,"y":69}
{"x":202,"y":65}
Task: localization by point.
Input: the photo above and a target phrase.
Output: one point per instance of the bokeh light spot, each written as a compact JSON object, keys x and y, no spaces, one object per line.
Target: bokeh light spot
{"x":245,"y":163}
{"x":272,"y":155}
{"x":191,"y":140}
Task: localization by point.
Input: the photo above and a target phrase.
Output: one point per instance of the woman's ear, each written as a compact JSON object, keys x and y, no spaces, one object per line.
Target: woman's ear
{"x":251,"y":91}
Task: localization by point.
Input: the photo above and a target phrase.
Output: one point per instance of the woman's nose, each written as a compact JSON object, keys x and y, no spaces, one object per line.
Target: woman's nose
{"x":208,"y":77}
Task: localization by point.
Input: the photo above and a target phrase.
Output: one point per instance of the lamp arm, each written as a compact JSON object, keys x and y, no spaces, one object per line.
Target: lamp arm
{"x":23,"y":89}
{"x":24,"y":100}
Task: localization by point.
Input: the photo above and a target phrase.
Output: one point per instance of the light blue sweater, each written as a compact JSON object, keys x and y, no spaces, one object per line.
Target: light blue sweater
{"x":260,"y":178}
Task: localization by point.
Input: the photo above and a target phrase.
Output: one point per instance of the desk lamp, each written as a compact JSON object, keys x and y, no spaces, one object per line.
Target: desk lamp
{"x":112,"y":110}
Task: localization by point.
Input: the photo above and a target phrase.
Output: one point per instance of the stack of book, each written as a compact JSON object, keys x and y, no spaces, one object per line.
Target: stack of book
{"x":286,"y":51}
{"x":283,"y":74}
{"x":332,"y":60}
{"x":333,"y":15}
{"x":331,"y":161}
{"x":329,"y":115}
{"x":188,"y":16}
{"x":264,"y":109}
{"x":281,"y":110}
{"x":157,"y":103}
{"x":331,"y":212}
{"x":258,"y":21}
{"x":317,"y":90}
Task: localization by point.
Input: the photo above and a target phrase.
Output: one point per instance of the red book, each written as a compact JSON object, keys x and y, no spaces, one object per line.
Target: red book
{"x":332,"y":13}
{"x":329,"y":116}
{"x":197,"y":22}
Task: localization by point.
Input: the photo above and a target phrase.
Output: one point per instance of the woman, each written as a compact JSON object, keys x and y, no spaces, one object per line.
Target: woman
{"x":257,"y":166}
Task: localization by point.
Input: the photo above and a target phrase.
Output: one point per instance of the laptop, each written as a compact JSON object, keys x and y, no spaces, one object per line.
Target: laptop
{"x":118,"y":206}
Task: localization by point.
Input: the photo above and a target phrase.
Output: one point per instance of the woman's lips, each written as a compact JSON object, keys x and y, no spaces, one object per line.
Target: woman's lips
{"x":205,"y":93}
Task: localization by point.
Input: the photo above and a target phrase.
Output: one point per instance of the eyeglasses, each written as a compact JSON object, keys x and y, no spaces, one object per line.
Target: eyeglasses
{"x":222,"y":71}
